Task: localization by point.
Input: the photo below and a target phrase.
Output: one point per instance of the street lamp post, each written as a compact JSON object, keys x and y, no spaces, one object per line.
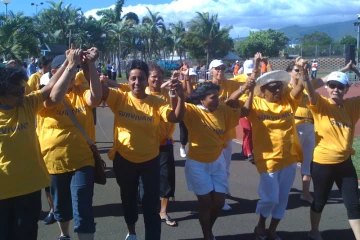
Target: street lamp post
{"x":357,"y":24}
{"x":6,"y":2}
{"x":36,"y":5}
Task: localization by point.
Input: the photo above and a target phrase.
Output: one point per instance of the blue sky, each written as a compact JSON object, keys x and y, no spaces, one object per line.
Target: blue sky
{"x":242,"y":15}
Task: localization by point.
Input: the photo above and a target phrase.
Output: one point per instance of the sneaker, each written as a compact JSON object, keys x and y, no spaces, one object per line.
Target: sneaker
{"x":50,"y":219}
{"x":64,"y":238}
{"x":182,"y":152}
{"x":226,"y":207}
{"x":315,"y":236}
{"x":130,"y":237}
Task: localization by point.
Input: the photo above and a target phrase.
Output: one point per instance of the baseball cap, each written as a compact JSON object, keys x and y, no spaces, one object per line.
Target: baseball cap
{"x":248,"y":66}
{"x":192,"y":72}
{"x":338,"y":77}
{"x":215,"y":63}
{"x":237,"y":61}
{"x":58,"y":61}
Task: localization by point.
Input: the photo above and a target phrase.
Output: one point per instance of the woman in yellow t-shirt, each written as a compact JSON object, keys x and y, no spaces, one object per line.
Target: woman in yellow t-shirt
{"x":207,"y":122}
{"x":23,"y":173}
{"x":277,"y":147}
{"x":65,"y":150}
{"x":334,"y":123}
{"x":136,"y":144}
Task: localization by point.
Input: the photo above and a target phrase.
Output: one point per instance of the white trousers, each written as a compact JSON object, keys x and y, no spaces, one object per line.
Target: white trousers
{"x":307,"y":139}
{"x":274,"y":189}
{"x":227,"y":154}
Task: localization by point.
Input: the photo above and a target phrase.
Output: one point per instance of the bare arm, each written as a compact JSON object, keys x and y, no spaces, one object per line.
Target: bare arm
{"x":177,"y":114}
{"x":245,"y":110}
{"x":298,"y":89}
{"x":60,"y":84}
{"x":93,"y":97}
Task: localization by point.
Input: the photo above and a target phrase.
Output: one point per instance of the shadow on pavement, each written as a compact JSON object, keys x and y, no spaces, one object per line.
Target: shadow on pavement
{"x":113,"y":209}
{"x":328,"y":235}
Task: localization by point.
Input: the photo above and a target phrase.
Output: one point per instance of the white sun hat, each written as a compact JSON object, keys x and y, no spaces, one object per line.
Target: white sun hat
{"x":273,"y":76}
{"x":248,"y":66}
{"x":338,"y":77}
{"x":215,"y":63}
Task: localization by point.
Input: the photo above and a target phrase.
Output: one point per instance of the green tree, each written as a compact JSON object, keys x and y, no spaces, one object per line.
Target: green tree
{"x":348,"y":40}
{"x":178,"y":34}
{"x":18,"y":37}
{"x":316,"y":38}
{"x":205,"y":35}
{"x":269,"y":43}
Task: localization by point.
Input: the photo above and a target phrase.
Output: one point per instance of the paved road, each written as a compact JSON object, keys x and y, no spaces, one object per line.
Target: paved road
{"x":236,"y":224}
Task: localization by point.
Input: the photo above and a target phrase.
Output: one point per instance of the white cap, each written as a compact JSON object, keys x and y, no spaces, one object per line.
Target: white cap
{"x":248,"y":66}
{"x":45,"y":79}
{"x":215,"y":63}
{"x":237,"y":61}
{"x":274,"y":76}
{"x":192,"y":72}
{"x":338,"y":77}
{"x":314,"y":60}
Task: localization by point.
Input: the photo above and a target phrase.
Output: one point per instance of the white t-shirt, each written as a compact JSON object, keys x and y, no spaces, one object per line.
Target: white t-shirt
{"x":314,"y":66}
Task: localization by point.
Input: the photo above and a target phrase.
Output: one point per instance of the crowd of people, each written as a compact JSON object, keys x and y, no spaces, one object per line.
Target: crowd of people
{"x":279,"y":110}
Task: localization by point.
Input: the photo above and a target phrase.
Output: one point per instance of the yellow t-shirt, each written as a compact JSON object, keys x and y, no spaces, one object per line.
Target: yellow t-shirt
{"x":34,"y":81}
{"x":81,"y":81}
{"x":334,"y":129}
{"x":207,"y":131}
{"x":22,"y":168}
{"x":274,"y":133}
{"x":167,"y":129}
{"x":303,"y":111}
{"x":28,"y":90}
{"x":63,"y":146}
{"x":137,"y":124}
{"x":240,"y":78}
{"x":227,"y":87}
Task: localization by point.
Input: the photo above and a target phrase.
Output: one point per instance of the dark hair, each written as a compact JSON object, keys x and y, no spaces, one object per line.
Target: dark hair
{"x":137,"y":64}
{"x":290,"y":67}
{"x":203,"y":90}
{"x":43,"y":61}
{"x":155,"y":67}
{"x":11,"y":76}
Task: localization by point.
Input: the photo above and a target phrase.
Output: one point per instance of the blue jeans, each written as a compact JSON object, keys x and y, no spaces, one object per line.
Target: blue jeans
{"x":19,"y":216}
{"x":72,"y":194}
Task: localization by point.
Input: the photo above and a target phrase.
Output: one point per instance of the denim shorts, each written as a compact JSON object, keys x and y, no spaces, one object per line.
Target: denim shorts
{"x":72,"y":194}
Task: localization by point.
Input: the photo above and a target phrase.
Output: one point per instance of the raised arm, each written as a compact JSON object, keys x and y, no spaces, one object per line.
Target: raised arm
{"x":177,"y":114}
{"x":93,"y":97}
{"x":298,"y":89}
{"x":57,"y":87}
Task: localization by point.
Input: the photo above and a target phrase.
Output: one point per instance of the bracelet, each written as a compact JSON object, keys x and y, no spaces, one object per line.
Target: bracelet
{"x":68,"y":69}
{"x":172,"y":95}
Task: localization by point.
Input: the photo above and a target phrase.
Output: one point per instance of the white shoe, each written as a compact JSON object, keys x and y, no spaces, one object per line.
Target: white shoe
{"x":130,"y":237}
{"x":226,"y":207}
{"x":315,"y":236}
{"x":182,"y":152}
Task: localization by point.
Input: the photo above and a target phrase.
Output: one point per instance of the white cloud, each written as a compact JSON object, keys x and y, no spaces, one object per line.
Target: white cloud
{"x":246,"y":15}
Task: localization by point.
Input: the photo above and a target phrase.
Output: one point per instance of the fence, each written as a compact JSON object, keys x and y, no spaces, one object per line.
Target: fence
{"x":315,"y":51}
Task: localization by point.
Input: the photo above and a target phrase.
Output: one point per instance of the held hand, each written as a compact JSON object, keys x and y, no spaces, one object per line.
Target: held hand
{"x":103,"y":79}
{"x":175,"y":75}
{"x":92,"y":54}
{"x":250,"y":83}
{"x":348,"y":67}
{"x":257,"y":58}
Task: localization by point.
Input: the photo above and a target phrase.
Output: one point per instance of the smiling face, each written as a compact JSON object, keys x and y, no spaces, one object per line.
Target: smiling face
{"x":137,"y":82}
{"x":218,"y":73}
{"x":155,"y":80}
{"x":211,"y":100}
{"x":272,"y":91}
{"x":336,"y":90}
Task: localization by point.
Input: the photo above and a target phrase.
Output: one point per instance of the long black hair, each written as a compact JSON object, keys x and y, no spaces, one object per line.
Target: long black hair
{"x":202,"y":90}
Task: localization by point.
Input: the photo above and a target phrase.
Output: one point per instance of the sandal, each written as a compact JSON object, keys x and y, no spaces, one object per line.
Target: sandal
{"x":257,"y":236}
{"x":169,"y":221}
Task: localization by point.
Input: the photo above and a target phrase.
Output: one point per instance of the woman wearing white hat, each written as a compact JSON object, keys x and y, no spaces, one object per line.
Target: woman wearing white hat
{"x":334,"y":123}
{"x":278,"y":149}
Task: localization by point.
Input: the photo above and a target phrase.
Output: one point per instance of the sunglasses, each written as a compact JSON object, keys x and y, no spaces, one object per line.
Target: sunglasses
{"x":335,"y":85}
{"x":296,"y":70}
{"x":220,"y":68}
{"x":274,"y":87}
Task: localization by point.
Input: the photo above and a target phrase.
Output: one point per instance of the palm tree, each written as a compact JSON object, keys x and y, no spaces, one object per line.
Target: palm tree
{"x":18,"y":36}
{"x":178,"y":34}
{"x":204,"y":31}
{"x":152,"y":22}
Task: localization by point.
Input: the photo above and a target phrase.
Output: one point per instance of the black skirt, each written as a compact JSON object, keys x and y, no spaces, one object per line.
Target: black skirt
{"x":167,"y":171}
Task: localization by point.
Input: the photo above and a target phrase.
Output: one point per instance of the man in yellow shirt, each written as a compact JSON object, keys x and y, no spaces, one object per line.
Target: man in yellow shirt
{"x":334,"y":122}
